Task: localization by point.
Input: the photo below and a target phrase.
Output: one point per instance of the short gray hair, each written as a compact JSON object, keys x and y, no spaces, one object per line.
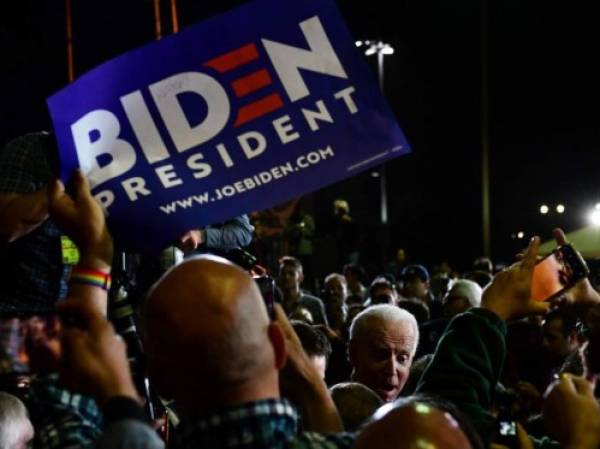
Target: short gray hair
{"x":13,"y":417}
{"x":383,"y":312}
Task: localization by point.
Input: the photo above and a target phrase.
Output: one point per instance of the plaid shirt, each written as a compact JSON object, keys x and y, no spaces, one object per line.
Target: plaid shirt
{"x":263,"y":424}
{"x":62,"y":419}
{"x":32,"y":275}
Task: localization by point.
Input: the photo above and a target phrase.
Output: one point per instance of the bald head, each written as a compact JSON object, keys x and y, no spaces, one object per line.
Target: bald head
{"x":412,"y":426}
{"x":208,"y":332}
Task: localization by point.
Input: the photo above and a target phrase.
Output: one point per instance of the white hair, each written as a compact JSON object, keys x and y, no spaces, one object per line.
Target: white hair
{"x":383,"y":312}
{"x":13,"y":420}
{"x":469,"y":290}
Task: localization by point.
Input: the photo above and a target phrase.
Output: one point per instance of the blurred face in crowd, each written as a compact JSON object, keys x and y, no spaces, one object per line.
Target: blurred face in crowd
{"x":455,"y":304}
{"x":557,"y":345}
{"x":289,"y":277}
{"x":384,"y":295}
{"x":381,"y":359}
{"x":337,"y":289}
{"x":415,"y":288}
{"x":401,"y":255}
{"x":335,"y":302}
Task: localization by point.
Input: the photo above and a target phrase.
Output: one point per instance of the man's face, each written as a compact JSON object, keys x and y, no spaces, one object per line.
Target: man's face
{"x":337,"y":289}
{"x":384,"y":295}
{"x":556,"y":343}
{"x":415,"y":288}
{"x":382,"y":358}
{"x":289,"y":277}
{"x":455,"y":304}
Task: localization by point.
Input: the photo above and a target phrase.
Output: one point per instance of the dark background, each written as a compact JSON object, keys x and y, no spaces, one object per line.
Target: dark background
{"x":543,"y":107}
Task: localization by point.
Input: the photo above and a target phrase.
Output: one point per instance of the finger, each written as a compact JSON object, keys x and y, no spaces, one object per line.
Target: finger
{"x":538,"y":307}
{"x":57,"y":198}
{"x":81,"y":185}
{"x":582,"y":386}
{"x":566,"y":383}
{"x":60,"y":204}
{"x":559,"y":236}
{"x":56,"y":189}
{"x":281,"y":317}
{"x":530,"y":257}
{"x":283,"y":321}
{"x":524,"y":440}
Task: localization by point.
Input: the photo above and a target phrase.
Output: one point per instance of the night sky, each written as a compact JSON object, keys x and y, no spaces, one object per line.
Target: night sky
{"x":543,"y":92}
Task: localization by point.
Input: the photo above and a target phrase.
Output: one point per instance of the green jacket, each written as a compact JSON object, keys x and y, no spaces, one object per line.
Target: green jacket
{"x":466,"y":367}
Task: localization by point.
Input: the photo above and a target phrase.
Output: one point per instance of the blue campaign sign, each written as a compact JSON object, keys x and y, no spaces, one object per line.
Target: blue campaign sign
{"x":238,"y":113}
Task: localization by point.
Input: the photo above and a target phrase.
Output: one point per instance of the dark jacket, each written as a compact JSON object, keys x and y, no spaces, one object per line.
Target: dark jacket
{"x":466,"y":367}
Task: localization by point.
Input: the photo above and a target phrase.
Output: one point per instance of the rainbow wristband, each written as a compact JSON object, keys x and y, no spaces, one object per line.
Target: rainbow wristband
{"x":90,"y":277}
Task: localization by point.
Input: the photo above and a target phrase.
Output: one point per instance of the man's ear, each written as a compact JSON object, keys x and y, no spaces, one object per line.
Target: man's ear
{"x":278,"y":342}
{"x":301,"y":277}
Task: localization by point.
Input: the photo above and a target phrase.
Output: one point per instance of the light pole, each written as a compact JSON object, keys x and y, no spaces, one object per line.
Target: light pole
{"x":381,"y":49}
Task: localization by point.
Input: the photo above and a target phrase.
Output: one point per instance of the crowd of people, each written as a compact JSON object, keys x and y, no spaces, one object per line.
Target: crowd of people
{"x":402,"y":360}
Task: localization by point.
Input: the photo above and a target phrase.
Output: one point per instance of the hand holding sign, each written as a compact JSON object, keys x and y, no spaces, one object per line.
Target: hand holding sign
{"x":191,"y":240}
{"x":82,"y":219}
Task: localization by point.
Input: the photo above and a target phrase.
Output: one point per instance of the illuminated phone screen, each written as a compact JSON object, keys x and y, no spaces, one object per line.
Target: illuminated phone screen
{"x":550,"y":276}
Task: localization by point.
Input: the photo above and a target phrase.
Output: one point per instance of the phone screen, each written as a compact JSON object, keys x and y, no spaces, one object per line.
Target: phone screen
{"x":550,"y":276}
{"x":29,"y":344}
{"x":507,"y":434}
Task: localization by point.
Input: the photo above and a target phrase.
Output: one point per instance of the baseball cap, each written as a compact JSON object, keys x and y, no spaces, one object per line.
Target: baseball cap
{"x":415,"y":271}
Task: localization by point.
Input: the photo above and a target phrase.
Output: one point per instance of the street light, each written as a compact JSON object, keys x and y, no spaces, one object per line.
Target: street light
{"x":544,"y":209}
{"x":520,"y":234}
{"x":560,"y":208}
{"x":594,"y":217}
{"x":381,"y":49}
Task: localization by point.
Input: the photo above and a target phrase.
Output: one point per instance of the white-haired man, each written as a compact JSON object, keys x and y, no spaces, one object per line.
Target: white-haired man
{"x":382,"y":344}
{"x":16,"y":431}
{"x":463,"y":295}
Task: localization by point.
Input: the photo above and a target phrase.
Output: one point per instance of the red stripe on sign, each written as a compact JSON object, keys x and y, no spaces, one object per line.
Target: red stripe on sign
{"x":251,"y":83}
{"x":233,"y":59}
{"x":258,"y":109}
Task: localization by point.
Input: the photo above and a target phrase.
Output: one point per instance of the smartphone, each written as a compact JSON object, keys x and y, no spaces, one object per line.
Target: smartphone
{"x":557,"y":272}
{"x":266,"y":285}
{"x":29,"y":343}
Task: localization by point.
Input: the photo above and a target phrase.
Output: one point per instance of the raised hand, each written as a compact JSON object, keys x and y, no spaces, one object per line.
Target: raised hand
{"x":509,"y":293}
{"x":82,"y":219}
